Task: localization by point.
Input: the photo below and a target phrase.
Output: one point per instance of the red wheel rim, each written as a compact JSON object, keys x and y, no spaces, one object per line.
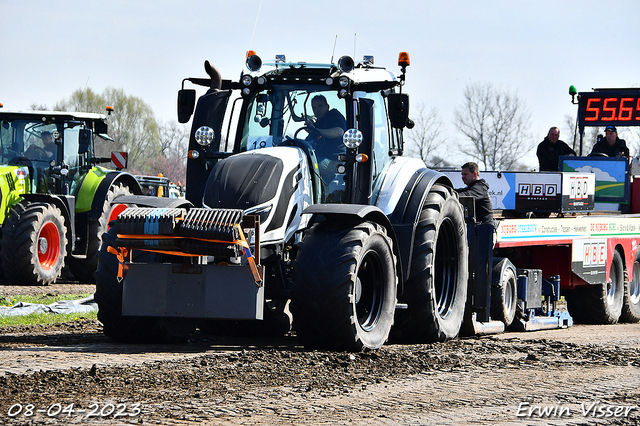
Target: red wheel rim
{"x":48,"y":245}
{"x":115,"y":211}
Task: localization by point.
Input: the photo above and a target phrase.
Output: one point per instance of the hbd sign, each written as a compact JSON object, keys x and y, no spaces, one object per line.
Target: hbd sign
{"x":537,"y":190}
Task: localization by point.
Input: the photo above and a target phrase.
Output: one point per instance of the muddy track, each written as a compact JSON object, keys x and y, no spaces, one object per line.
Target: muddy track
{"x":583,"y":375}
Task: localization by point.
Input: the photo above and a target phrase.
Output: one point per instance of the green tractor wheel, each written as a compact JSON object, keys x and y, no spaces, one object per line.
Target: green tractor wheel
{"x":83,"y":268}
{"x":33,"y":245}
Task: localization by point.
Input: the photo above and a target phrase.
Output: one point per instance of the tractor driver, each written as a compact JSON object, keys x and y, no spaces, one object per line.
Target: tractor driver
{"x":35,"y":152}
{"x":326,"y":134}
{"x":49,"y":146}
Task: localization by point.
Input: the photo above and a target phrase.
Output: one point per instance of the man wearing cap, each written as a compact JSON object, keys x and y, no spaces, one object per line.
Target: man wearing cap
{"x":611,"y":144}
{"x":550,"y":150}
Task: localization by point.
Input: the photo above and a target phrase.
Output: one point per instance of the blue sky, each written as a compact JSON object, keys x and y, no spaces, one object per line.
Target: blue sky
{"x":535,"y":48}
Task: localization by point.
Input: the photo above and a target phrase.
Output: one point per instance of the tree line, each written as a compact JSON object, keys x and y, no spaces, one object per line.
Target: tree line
{"x":494,"y":124}
{"x":153,"y":147}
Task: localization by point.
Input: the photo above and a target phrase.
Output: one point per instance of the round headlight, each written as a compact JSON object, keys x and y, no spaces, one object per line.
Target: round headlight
{"x":261,"y":80}
{"x":246,"y":91}
{"x":343,"y":93}
{"x":205,"y":135}
{"x":352,"y":138}
{"x":344,"y":82}
{"x":329,"y":81}
{"x":246,"y":80}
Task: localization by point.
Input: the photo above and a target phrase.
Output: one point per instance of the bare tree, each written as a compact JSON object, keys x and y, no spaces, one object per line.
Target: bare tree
{"x":174,"y":145}
{"x":496,"y":123}
{"x":426,"y":137}
{"x":132,"y":126}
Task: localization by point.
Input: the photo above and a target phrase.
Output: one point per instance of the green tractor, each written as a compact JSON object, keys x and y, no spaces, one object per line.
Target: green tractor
{"x":55,"y":198}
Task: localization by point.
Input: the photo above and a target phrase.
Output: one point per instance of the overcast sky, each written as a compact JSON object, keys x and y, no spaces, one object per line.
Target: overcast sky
{"x":536,"y":49}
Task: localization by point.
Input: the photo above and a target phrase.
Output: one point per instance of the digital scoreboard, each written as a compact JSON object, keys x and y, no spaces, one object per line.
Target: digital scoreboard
{"x":604,"y":107}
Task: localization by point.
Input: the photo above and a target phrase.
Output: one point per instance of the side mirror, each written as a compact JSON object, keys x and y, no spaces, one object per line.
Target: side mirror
{"x":84,"y":141}
{"x":100,"y":127}
{"x":398,"y":110}
{"x":186,"y":104}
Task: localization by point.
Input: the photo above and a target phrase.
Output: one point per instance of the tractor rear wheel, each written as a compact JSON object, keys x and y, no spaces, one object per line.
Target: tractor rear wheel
{"x":343,"y":292}
{"x":108,"y":296}
{"x":34,"y":244}
{"x":83,"y":267}
{"x":436,"y":290}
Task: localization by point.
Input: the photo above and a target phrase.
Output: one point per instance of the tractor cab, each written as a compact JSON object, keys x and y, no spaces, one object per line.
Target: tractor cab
{"x":50,"y":147}
{"x":345,"y":118}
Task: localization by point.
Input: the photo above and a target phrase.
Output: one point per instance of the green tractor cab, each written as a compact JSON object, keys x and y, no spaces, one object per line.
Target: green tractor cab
{"x":55,"y":197}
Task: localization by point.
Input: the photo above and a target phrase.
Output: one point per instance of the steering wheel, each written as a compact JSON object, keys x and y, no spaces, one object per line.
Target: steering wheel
{"x":597,"y":154}
{"x":34,"y":152}
{"x":305,"y":128}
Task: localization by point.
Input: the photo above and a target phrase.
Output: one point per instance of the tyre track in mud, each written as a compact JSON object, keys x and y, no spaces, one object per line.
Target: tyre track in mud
{"x":251,"y":381}
{"x":267,"y":382}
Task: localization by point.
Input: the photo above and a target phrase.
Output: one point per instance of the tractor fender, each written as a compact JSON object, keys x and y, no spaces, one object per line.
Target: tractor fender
{"x":406,"y":214}
{"x":99,"y":194}
{"x":342,"y":212}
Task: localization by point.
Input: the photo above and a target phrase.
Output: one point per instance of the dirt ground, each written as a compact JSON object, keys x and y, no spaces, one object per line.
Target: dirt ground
{"x":72,"y":374}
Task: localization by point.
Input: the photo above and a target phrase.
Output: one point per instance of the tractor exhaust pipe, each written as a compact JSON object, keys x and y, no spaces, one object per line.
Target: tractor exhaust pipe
{"x":216,"y":77}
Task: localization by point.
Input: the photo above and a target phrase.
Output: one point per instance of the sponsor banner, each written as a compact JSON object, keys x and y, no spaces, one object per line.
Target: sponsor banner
{"x":533,"y":191}
{"x":589,"y":259}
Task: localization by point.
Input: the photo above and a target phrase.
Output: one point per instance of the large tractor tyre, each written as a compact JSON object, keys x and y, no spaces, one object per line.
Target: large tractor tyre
{"x":343,"y":294}
{"x":601,"y":303}
{"x":108,"y":296}
{"x":631,"y":300}
{"x":436,"y":290}
{"x":84,"y":267}
{"x":34,"y":244}
{"x":504,"y":296}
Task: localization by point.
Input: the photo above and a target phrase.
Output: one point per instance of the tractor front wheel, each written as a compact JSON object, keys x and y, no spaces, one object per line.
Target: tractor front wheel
{"x":343,"y":294}
{"x":33,"y":244}
{"x":131,"y":329}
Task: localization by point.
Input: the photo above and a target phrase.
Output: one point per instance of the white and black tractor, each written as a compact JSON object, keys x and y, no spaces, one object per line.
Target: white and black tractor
{"x":343,"y":236}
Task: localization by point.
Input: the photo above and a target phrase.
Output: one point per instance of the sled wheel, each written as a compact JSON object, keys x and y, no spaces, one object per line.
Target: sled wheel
{"x":436,"y":290}
{"x":601,"y":303}
{"x":343,"y":294}
{"x":631,"y":303}
{"x":504,"y":295}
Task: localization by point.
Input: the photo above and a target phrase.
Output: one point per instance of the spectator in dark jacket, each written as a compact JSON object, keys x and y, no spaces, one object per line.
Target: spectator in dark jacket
{"x":550,"y":150}
{"x":611,"y":144}
{"x":479,"y":190}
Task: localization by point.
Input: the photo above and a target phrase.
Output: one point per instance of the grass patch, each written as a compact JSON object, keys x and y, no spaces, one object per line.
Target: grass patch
{"x":45,"y":299}
{"x":42,"y":318}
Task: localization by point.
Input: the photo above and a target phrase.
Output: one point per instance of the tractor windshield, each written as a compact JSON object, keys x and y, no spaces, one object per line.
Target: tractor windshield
{"x":277,"y":115}
{"x":28,"y":139}
{"x":302,"y":116}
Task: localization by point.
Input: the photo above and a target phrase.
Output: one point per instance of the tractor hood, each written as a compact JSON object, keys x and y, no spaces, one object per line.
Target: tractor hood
{"x":272,"y":183}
